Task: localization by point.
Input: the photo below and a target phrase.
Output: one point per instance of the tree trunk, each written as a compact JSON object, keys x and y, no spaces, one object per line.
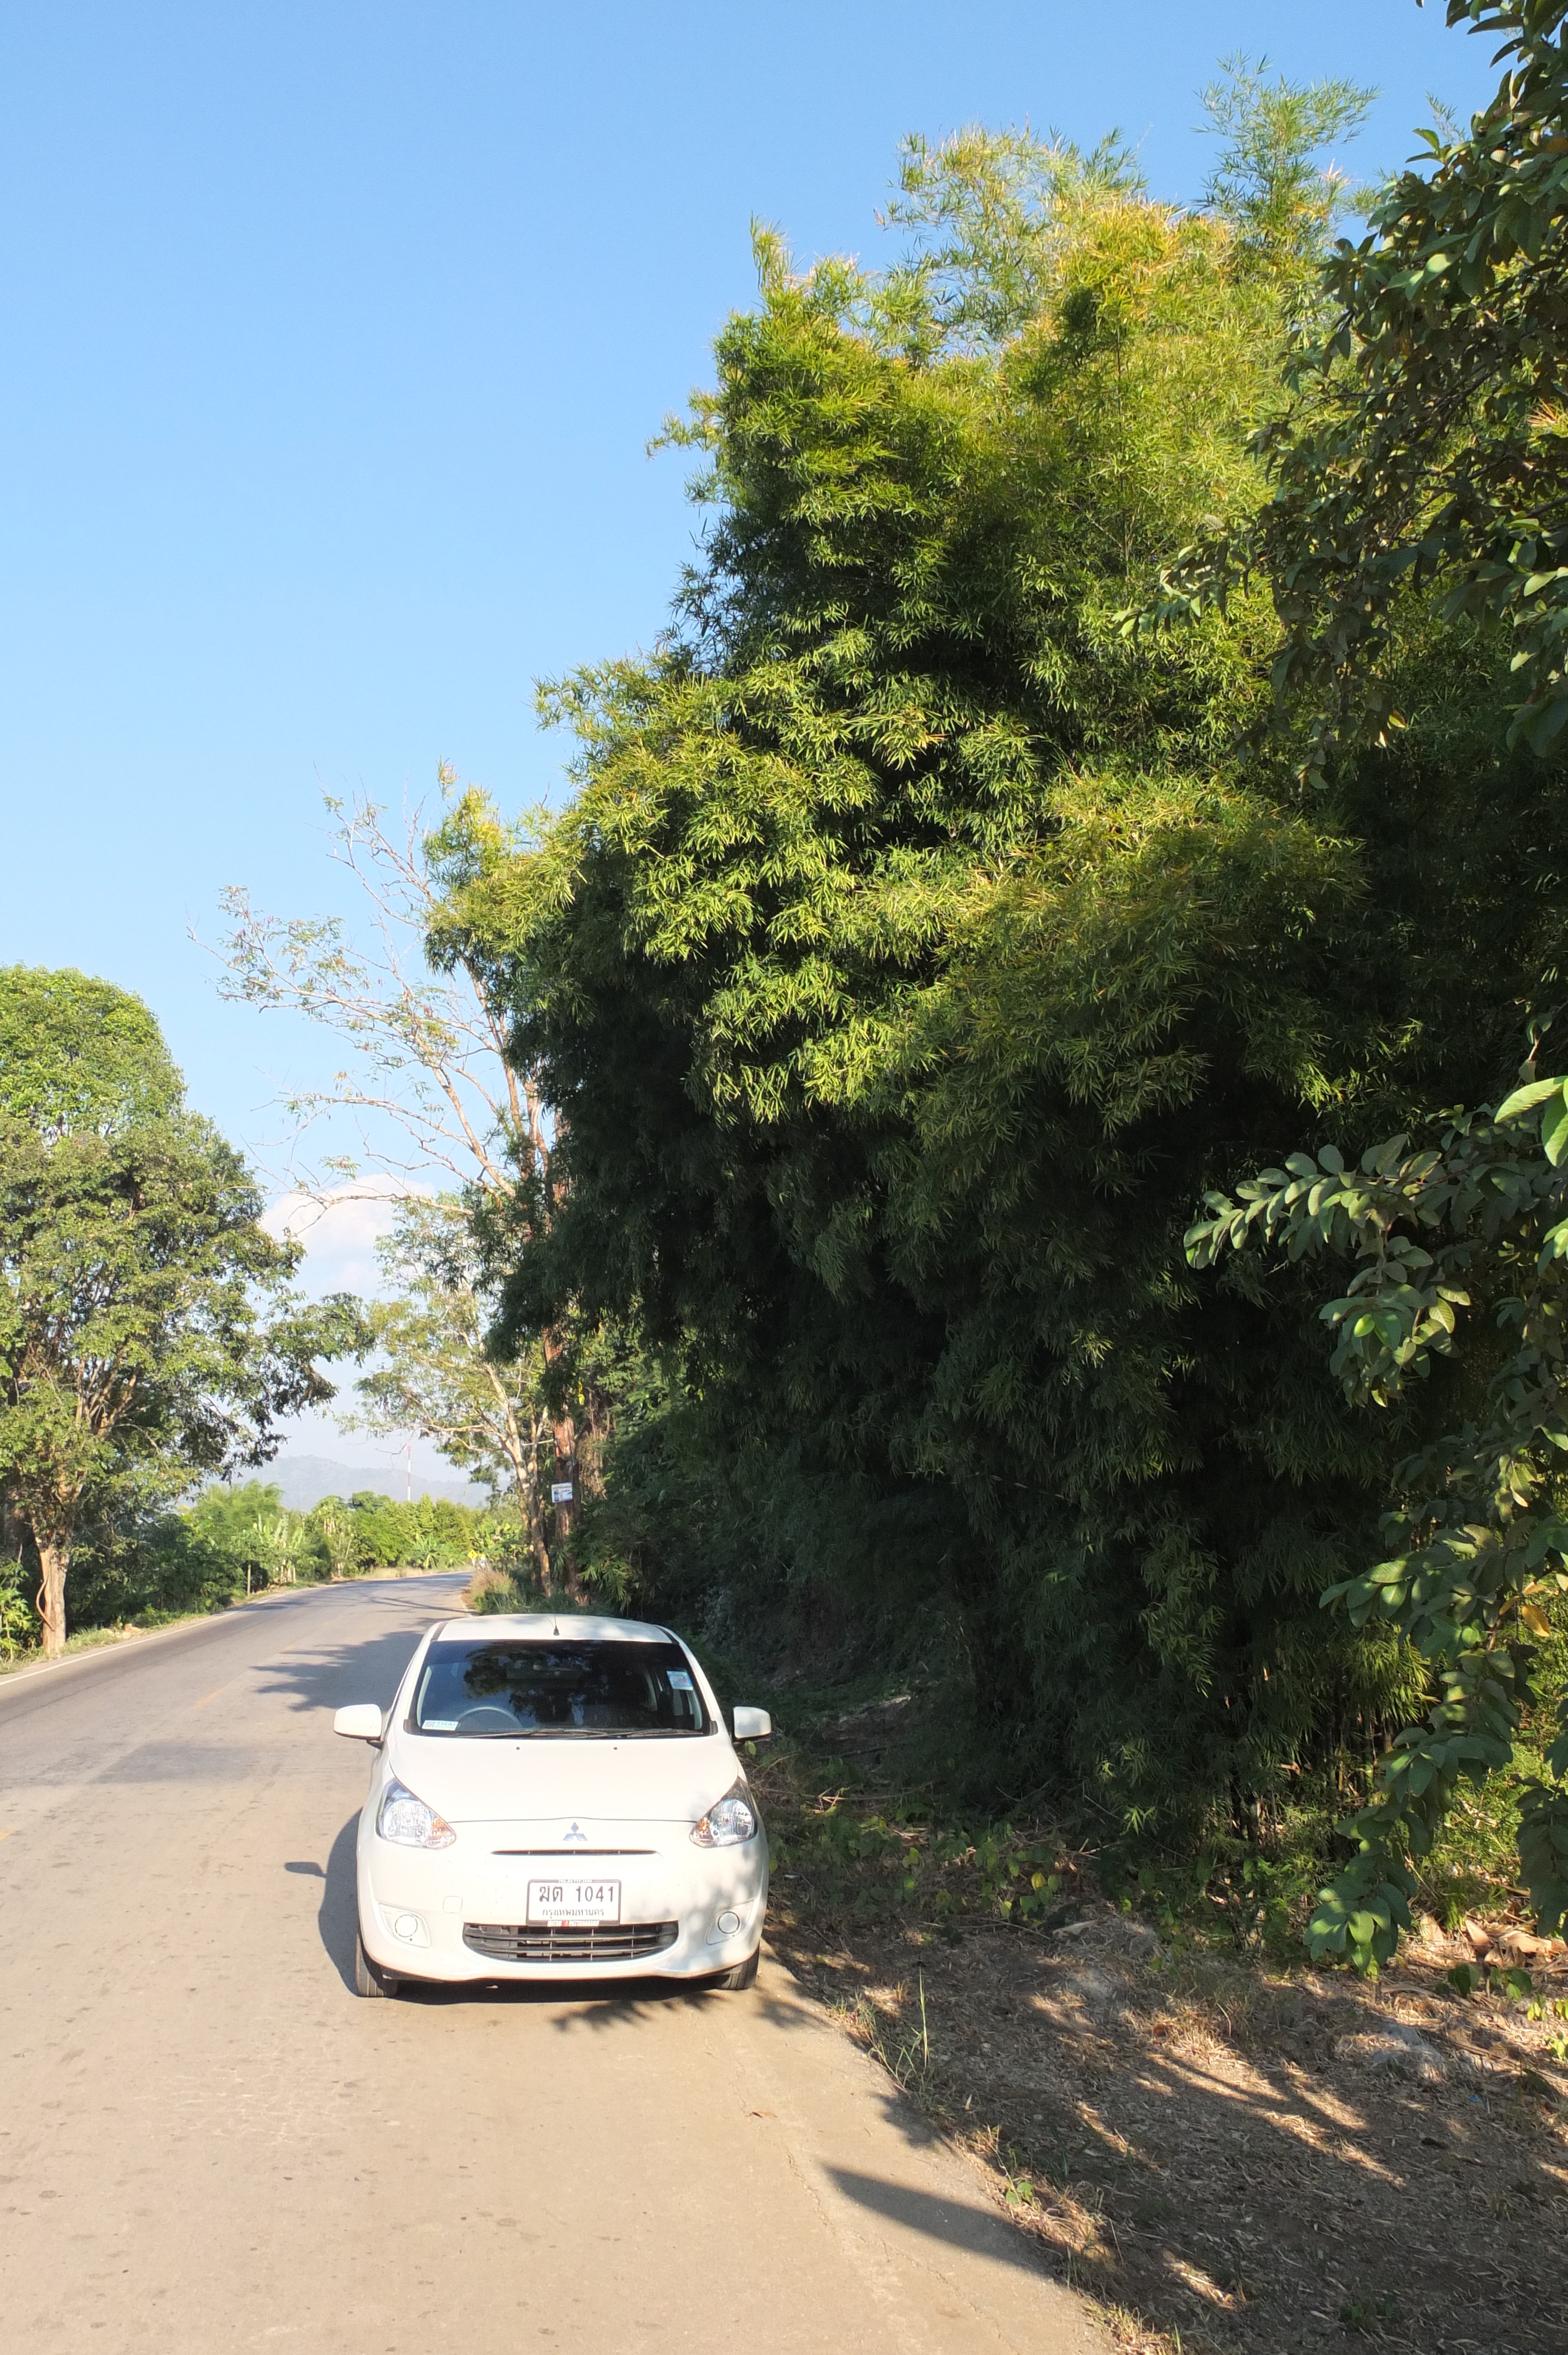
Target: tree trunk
{"x":563,"y":1439}
{"x":591,"y":1446}
{"x":54,"y":1557}
{"x":534,"y":1516}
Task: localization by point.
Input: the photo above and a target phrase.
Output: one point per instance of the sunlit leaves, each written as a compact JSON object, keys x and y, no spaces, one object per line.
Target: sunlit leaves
{"x":1424,"y":453}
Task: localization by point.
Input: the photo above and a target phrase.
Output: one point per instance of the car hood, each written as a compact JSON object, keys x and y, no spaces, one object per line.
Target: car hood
{"x":654,"y":1781}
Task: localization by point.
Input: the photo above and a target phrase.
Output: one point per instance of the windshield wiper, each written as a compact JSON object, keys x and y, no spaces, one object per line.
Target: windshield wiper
{"x":575,"y":1733}
{"x":459,"y":1733}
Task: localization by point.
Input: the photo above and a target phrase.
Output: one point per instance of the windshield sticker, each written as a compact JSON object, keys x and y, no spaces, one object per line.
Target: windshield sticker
{"x":679,"y":1680}
{"x":438,"y":1725}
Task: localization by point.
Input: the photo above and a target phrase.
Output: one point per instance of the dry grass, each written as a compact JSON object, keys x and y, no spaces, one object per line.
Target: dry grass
{"x":484,"y":1582}
{"x":1228,"y":2157}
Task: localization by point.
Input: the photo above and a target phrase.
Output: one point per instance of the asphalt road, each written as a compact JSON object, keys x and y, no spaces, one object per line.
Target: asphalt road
{"x":208,"y":2142}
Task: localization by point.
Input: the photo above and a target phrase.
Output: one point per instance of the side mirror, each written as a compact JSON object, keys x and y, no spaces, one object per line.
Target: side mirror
{"x":752,"y":1726}
{"x":361,"y":1721}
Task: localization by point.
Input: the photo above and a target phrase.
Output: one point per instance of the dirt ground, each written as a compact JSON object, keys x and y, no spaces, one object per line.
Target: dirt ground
{"x":1229,"y":2159}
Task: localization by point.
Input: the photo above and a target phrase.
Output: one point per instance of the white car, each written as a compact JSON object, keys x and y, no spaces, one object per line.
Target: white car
{"x":557,"y":1798}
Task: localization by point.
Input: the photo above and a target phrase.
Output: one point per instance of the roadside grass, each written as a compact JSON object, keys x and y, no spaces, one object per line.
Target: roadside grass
{"x":92,"y":1640}
{"x":1227,"y":2149}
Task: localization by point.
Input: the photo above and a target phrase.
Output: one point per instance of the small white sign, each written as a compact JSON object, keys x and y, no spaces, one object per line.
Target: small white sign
{"x":560,"y":1492}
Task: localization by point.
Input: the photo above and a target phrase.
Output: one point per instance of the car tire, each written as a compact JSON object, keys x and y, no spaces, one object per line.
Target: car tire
{"x":367,"y":1979}
{"x":743,"y":1976}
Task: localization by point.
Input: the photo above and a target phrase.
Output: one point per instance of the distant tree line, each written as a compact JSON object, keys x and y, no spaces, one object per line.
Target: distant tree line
{"x":240,"y":1538}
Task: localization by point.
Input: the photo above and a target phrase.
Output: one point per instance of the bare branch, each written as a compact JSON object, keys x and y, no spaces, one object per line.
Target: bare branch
{"x":428,"y":1049}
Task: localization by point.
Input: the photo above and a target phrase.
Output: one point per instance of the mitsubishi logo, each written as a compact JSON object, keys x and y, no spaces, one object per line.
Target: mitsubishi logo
{"x":577,"y":1833}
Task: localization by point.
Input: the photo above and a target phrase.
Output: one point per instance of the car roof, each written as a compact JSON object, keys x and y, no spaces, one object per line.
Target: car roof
{"x":537,"y":1626}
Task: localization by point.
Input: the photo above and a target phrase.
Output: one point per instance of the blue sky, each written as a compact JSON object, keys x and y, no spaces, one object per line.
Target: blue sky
{"x":335,"y":334}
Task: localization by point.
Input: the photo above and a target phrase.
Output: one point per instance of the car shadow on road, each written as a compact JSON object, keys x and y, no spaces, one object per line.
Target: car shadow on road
{"x":337,"y":1919}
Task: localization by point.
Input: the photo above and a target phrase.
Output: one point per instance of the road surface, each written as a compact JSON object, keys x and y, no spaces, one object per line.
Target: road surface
{"x":208,"y":2142}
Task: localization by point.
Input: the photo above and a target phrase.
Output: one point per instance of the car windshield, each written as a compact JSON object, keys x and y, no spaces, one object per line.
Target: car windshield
{"x":603,"y":1689}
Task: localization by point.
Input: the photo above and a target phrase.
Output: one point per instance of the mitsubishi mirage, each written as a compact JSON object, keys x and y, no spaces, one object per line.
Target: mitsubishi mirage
{"x":557,"y":1798}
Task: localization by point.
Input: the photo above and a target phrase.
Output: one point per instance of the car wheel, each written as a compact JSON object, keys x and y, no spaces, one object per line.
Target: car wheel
{"x":743,"y":1975}
{"x":367,"y":1979}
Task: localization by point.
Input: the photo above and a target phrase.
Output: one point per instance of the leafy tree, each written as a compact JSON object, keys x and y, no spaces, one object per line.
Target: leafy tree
{"x":1471,"y":1229}
{"x":147,"y":1331}
{"x":917,"y":947}
{"x":429,"y":1530}
{"x":226,"y":1515}
{"x":382,"y":1531}
{"x":1426,"y":451}
{"x":994,"y":215}
{"x":1421,"y":462}
{"x":77,"y":1055}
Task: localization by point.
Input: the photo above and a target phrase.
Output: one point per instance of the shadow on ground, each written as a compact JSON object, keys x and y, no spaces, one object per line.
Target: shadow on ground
{"x":1308,"y":2165}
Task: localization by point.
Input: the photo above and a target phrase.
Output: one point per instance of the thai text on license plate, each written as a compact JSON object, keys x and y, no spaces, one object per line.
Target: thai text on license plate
{"x":564,"y":1903}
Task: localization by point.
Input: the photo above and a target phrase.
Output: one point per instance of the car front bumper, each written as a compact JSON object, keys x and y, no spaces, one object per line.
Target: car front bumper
{"x":416,"y":1905}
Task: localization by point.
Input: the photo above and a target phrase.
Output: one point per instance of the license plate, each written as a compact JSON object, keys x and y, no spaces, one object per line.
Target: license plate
{"x":564,"y":1904}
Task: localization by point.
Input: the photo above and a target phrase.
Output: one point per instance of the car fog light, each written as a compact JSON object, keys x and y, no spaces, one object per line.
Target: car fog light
{"x":729,"y":1924}
{"x":407,"y":1925}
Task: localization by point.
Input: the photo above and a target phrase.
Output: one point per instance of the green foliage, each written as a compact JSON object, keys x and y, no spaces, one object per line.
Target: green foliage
{"x":1427,"y":448}
{"x":994,"y":214}
{"x":227,"y":1519}
{"x":913,"y":942}
{"x":18,"y":1620}
{"x":921,"y":942}
{"x":1268,"y":185}
{"x":1474,"y":1225}
{"x":147,"y":1330}
{"x":333,"y":1535}
{"x":78,"y":1054}
{"x":432,"y":1532}
{"x":248,"y":1528}
{"x":1422,"y":452}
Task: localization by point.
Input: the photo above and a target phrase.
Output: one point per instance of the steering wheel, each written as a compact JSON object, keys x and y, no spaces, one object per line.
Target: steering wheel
{"x":489,"y":1717}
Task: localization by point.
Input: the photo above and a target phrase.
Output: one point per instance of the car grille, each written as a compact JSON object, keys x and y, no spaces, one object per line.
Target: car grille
{"x":594,"y":1942}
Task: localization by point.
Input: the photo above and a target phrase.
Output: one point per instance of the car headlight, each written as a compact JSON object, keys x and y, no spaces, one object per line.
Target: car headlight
{"x":409,"y":1822}
{"x":728,"y":1821}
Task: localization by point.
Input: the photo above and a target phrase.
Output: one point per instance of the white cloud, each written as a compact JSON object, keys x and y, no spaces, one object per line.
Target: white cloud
{"x":339,"y":1231}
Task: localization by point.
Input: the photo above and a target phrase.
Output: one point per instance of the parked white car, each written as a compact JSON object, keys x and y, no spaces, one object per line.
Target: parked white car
{"x":557,"y":1798}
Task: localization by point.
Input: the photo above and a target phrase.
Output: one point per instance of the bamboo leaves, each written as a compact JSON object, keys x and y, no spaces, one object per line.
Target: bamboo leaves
{"x":1424,"y":450}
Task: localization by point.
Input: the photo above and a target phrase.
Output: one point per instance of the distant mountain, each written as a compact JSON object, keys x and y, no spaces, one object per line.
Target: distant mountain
{"x":306,"y":1479}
